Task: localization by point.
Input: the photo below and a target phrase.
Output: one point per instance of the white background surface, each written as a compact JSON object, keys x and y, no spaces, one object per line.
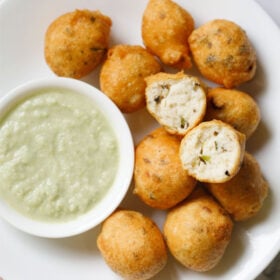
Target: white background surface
{"x":272,"y":7}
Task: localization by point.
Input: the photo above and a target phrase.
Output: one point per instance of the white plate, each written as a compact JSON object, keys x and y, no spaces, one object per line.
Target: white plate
{"x":254,"y":243}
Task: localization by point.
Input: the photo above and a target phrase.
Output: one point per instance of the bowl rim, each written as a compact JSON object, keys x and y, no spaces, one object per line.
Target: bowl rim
{"x":121,"y":184}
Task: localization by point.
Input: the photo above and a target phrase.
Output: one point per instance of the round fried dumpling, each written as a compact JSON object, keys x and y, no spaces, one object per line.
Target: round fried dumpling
{"x":122,"y":76}
{"x":166,"y":27}
{"x":234,"y":107}
{"x":243,"y":195}
{"x":212,"y":151}
{"x":132,"y":245}
{"x":160,"y":180}
{"x":223,"y":52}
{"x":198,"y":231}
{"x":76,"y":42}
{"x":177,"y":101}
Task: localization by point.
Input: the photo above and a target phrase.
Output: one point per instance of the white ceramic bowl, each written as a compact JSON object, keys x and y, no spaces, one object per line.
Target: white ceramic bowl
{"x":116,"y":192}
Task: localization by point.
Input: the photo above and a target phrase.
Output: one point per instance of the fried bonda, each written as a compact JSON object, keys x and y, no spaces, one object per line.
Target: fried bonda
{"x":223,"y":53}
{"x":76,"y":42}
{"x":132,"y":245}
{"x":234,"y":107}
{"x":166,"y":27}
{"x":176,"y":101}
{"x":212,"y":151}
{"x":122,"y":76}
{"x":198,"y":231}
{"x":242,"y":196}
{"x":160,"y":180}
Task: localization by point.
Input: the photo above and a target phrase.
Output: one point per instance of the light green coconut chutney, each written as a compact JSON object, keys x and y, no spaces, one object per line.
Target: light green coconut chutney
{"x":58,"y":156}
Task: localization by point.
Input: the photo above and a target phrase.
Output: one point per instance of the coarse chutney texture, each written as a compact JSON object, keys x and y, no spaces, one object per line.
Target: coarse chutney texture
{"x":58,"y":155}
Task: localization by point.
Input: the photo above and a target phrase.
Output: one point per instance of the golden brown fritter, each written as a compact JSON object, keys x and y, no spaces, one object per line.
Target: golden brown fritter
{"x":234,"y":107}
{"x":244,"y":194}
{"x":132,"y":245}
{"x":76,"y":42}
{"x":223,"y":53}
{"x":198,"y":231}
{"x":160,"y":180}
{"x":166,"y":27}
{"x":122,"y":76}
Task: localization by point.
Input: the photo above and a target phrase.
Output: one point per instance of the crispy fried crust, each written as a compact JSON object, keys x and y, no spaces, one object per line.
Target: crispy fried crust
{"x":160,"y":180}
{"x":223,"y":53}
{"x":132,"y":245}
{"x":198,"y":231}
{"x":122,"y":76}
{"x":76,"y":42}
{"x":165,"y":30}
{"x":243,"y":195}
{"x":234,"y":107}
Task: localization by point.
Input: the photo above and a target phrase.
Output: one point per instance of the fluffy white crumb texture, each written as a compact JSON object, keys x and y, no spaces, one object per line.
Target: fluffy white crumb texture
{"x":177,"y":104}
{"x":211,"y":153}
